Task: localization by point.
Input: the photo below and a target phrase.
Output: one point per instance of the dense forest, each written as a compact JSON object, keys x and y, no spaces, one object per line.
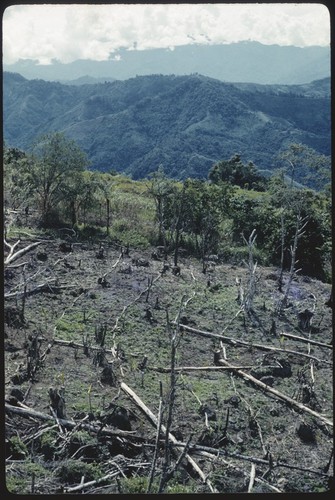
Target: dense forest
{"x":184,"y":123}
{"x":165,"y":335}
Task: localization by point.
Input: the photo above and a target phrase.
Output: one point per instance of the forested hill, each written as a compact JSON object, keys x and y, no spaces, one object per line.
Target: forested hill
{"x":185,"y":123}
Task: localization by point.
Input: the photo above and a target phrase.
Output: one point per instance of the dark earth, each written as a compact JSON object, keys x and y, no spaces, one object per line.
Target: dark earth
{"x":85,"y":320}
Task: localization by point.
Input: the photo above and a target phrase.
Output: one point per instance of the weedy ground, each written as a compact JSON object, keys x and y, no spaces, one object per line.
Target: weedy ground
{"x":97,"y":308}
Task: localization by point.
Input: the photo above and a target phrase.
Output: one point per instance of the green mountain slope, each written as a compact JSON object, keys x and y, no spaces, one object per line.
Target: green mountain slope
{"x":185,"y":123}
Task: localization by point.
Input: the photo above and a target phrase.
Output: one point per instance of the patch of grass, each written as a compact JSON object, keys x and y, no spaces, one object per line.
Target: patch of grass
{"x":17,"y":485}
{"x":48,"y":444}
{"x":19,"y":481}
{"x":17,"y":448}
{"x":136,"y":485}
{"x":72,"y":471}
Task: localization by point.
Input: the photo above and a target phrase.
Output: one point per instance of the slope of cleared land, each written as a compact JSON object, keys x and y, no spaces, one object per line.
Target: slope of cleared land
{"x":89,"y":338}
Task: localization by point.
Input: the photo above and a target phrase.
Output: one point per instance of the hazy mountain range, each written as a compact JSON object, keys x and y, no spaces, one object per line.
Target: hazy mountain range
{"x":185,"y":123}
{"x":235,"y":62}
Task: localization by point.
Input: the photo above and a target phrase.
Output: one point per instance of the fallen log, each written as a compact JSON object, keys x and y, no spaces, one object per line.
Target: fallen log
{"x":153,"y":419}
{"x":307,"y":341}
{"x":198,"y":368}
{"x":216,"y":453}
{"x":15,"y":255}
{"x":234,"y":342}
{"x":292,"y":402}
{"x":70,"y":424}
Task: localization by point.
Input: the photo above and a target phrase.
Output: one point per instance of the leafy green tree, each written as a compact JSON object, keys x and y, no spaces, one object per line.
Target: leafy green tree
{"x":237,"y":173}
{"x":314,"y":249}
{"x":16,"y":190}
{"x":55,"y":170}
{"x":87,"y":196}
{"x":206,"y":206}
{"x":304,"y":165}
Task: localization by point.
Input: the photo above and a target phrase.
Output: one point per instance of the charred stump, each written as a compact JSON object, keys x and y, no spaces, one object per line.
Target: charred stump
{"x":57,"y":401}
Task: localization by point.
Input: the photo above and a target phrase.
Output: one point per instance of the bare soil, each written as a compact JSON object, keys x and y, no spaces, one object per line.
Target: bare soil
{"x":80,"y":323}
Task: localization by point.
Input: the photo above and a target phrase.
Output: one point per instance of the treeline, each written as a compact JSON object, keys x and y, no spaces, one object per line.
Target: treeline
{"x":197,"y":217}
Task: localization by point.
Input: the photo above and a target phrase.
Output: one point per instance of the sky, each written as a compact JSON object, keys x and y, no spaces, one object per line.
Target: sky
{"x":67,"y":32}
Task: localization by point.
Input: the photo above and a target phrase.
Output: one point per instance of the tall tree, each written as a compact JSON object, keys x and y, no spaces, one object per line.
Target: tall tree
{"x":16,"y":189}
{"x":161,"y":188}
{"x":305,"y":165}
{"x":237,"y":173}
{"x":57,"y":163}
{"x":205,"y":208}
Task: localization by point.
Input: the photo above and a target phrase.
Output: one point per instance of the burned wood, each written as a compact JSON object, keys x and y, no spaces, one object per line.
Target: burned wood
{"x":71,"y":424}
{"x":307,"y":341}
{"x":197,"y":368}
{"x":234,"y":342}
{"x":154,"y":421}
{"x":12,"y":255}
{"x":216,"y":453}
{"x":292,"y":402}
{"x":47,"y":287}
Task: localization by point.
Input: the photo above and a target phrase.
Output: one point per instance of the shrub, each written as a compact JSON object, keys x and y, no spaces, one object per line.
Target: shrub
{"x":73,"y":470}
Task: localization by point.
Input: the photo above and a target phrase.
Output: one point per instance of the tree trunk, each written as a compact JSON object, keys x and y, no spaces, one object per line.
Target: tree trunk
{"x":107,"y":216}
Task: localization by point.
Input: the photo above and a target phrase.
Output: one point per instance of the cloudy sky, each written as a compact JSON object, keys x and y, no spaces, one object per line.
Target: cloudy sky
{"x":68,"y":32}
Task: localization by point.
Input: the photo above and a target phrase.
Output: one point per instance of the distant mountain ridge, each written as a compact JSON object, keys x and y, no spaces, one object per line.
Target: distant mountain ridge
{"x":185,"y":123}
{"x":234,"y":62}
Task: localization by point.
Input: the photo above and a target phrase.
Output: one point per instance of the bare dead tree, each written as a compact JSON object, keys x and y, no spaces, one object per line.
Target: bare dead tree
{"x":175,"y":336}
{"x":159,"y":428}
{"x":282,"y":251}
{"x":248,"y":296}
{"x":300,"y":225}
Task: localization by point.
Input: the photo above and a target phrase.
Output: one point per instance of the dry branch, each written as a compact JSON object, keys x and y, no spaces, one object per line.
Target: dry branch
{"x":217,"y":453}
{"x":126,"y":464}
{"x":252,"y":477}
{"x":234,"y":342}
{"x":15,"y":255}
{"x":43,"y":287}
{"x":70,"y":424}
{"x":307,"y":341}
{"x":279,"y":395}
{"x":198,"y":368}
{"x":82,"y":486}
{"x":152,"y":418}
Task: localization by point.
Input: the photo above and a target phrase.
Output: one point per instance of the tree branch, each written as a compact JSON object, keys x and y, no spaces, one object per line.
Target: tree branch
{"x":292,"y":402}
{"x":231,"y":341}
{"x":13,"y":256}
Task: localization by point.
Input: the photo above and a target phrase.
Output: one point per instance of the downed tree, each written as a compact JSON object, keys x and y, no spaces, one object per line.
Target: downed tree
{"x":15,"y":255}
{"x":153,"y":419}
{"x":199,"y":368}
{"x":231,"y":341}
{"x":48,"y":287}
{"x":70,"y":424}
{"x":292,"y":402}
{"x":216,"y":453}
{"x":307,"y":341}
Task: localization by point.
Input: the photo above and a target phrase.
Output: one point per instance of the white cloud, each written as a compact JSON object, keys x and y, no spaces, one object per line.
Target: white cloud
{"x":68,"y":32}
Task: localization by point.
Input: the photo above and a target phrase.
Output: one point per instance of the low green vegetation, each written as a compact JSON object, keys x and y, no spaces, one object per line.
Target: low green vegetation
{"x":200,"y":217}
